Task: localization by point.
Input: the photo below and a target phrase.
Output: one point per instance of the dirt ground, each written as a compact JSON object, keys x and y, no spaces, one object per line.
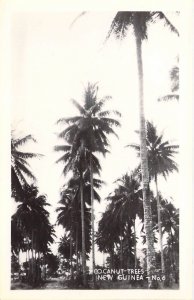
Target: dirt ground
{"x":60,"y":284}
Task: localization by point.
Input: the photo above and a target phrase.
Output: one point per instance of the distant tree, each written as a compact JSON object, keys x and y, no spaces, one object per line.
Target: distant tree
{"x":31,"y":223}
{"x":128,"y":200}
{"x":170,"y":224}
{"x":174,"y":77}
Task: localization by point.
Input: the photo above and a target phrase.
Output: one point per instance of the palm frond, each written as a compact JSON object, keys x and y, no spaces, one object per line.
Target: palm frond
{"x":64,"y":148}
{"x":25,"y":170}
{"x":169,"y":97}
{"x":26,"y":155}
{"x":79,"y":107}
{"x":20,"y":142}
{"x":167,"y":23}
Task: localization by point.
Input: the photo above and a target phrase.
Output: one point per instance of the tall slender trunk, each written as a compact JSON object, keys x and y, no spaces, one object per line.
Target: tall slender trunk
{"x":121,"y":252}
{"x":19,"y":262}
{"x":173,"y":255}
{"x":83,"y":230}
{"x":45,"y":270}
{"x":159,"y":225}
{"x":151,"y":261}
{"x":128,"y":259}
{"x":103,"y":260}
{"x":71,"y":241}
{"x":135,"y":246}
{"x":92,"y":219}
{"x":112,"y":257}
{"x":28,"y":259}
{"x":76,"y":248}
{"x":32,"y":256}
{"x":129,"y":245}
{"x":71,"y":248}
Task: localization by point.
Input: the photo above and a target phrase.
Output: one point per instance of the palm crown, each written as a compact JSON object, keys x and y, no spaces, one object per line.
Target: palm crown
{"x":20,"y":168}
{"x":160,"y":153}
{"x":92,"y":125}
{"x":139,"y":21}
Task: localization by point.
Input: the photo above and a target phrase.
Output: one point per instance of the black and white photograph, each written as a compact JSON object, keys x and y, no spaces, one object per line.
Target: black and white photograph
{"x":95,"y":150}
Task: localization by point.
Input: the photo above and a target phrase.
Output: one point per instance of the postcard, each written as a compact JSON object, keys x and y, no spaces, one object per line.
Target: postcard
{"x":96,"y":166}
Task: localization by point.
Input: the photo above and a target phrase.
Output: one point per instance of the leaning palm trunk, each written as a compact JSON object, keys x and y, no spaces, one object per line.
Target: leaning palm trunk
{"x":159,"y":226}
{"x":92,"y":218}
{"x":144,"y":168}
{"x":83,"y":232}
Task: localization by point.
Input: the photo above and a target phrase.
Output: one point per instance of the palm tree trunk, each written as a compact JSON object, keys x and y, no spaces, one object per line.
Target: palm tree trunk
{"x":45,"y":268}
{"x":71,"y":242}
{"x":71,"y":246}
{"x":32,"y":256}
{"x":173,"y":255}
{"x":76,"y":248}
{"x":135,"y":246}
{"x":92,"y":219}
{"x":121,"y":252}
{"x":28,"y":260}
{"x":159,"y":226}
{"x":151,"y":261}
{"x":83,"y":231}
{"x":112,"y":257}
{"x":128,"y":259}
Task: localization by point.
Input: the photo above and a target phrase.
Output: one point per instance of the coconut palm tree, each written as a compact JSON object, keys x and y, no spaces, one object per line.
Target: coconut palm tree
{"x":65,"y":217}
{"x":129,"y":200}
{"x":91,"y":126}
{"x":170,"y":225}
{"x":174,"y":77}
{"x":160,"y":162}
{"x":31,"y":218}
{"x":20,"y":168}
{"x":139,"y":22}
{"x":76,"y":159}
{"x":69,"y":209}
{"x":125,"y":205}
{"x":108,"y":233}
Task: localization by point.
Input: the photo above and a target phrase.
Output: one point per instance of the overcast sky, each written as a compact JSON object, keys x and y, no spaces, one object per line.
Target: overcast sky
{"x":52,"y":62}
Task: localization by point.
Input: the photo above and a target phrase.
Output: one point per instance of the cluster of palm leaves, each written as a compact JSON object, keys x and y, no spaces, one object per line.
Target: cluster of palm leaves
{"x":116,"y":233}
{"x":31,"y":231}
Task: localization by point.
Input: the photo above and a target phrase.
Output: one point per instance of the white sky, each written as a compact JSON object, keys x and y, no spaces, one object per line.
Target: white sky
{"x":51,"y":63}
